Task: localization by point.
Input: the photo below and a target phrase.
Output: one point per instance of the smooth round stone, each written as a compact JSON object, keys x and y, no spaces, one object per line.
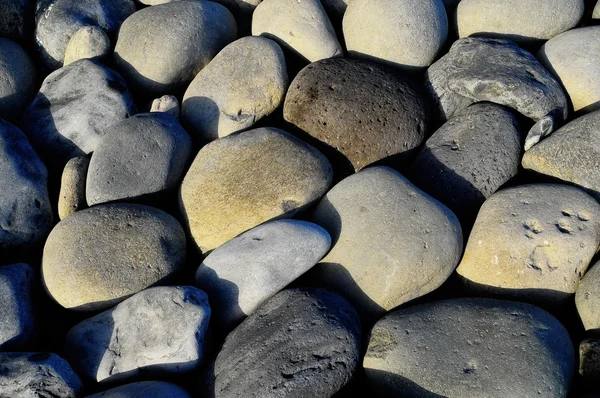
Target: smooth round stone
{"x":245,"y":82}
{"x":242,"y":180}
{"x":142,"y":157}
{"x":159,"y":331}
{"x":469,"y":158}
{"x":574,"y":58}
{"x":470,"y":348}
{"x":97,"y":257}
{"x":144,"y":389}
{"x":25,"y":210}
{"x":160,"y":49}
{"x":167,"y":104}
{"x":72,"y":187}
{"x":16,"y":307}
{"x":526,"y":22}
{"x":18,"y":79}
{"x":391,"y":241}
{"x":301,"y":342}
{"x":17,"y":19}
{"x":532,"y":242}
{"x":587,"y":299}
{"x":361,"y":109}
{"x":74,"y":109}
{"x":405,"y":34}
{"x":301,"y":26}
{"x":244,"y":272}
{"x":59,"y":20}
{"x":571,"y":154}
{"x":37,"y":374}
{"x":88,"y":42}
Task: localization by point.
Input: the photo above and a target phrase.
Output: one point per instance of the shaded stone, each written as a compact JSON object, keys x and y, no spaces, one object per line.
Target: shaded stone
{"x":16,"y":307}
{"x":587,"y":299}
{"x":167,"y":104}
{"x":589,"y":358}
{"x":72,"y":186}
{"x":17,"y":19}
{"x":88,"y":42}
{"x":18,"y":79}
{"x":144,"y":389}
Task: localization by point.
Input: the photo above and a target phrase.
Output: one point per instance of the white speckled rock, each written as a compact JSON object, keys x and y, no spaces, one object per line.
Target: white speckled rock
{"x":144,"y":389}
{"x":87,"y":42}
{"x":167,"y":104}
{"x":242,"y":273}
{"x":246,"y":81}
{"x":16,"y":306}
{"x":18,"y":80}
{"x":406,"y":34}
{"x":574,"y":58}
{"x":300,"y":25}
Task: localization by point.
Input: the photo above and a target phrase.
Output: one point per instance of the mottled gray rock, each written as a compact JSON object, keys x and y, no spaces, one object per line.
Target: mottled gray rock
{"x":17,"y":19}
{"x":18,"y":79}
{"x":242,"y":273}
{"x":167,"y":104}
{"x":144,"y":389}
{"x":141,"y":157}
{"x":73,"y":110}
{"x":587,"y":299}
{"x":376,"y":270}
{"x":246,"y":81}
{"x":97,"y":257}
{"x":589,"y":358}
{"x":59,"y":20}
{"x":300,"y":343}
{"x":158,"y":331}
{"x":571,"y":154}
{"x":372,"y":30}
{"x":469,"y":158}
{"x":532,"y":242}
{"x":88,"y":42}
{"x":470,"y":348}
{"x":480,"y":69}
{"x":25,"y":211}
{"x":363,"y":110}
{"x":16,"y":307}
{"x":37,"y":374}
{"x":72,"y":186}
{"x":161,"y":48}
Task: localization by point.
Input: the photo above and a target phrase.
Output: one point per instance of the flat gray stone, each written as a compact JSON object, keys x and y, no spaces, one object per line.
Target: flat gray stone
{"x":17,"y":19}
{"x":587,"y":299}
{"x":18,"y":79}
{"x":16,"y":307}
{"x":141,"y":157}
{"x":144,"y":389}
{"x":470,"y":348}
{"x":242,"y":273}
{"x":300,"y":343}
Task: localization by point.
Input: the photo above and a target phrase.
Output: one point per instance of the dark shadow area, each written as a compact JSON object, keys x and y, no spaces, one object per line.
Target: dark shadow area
{"x":385,"y":384}
{"x":294,"y":61}
{"x":207,"y":124}
{"x":414,"y":72}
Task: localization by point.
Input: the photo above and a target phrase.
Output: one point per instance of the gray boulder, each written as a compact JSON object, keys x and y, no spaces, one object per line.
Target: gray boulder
{"x":144,"y":389}
{"x":158,"y":331}
{"x":18,"y":79}
{"x":16,"y":307}
{"x":17,"y":19}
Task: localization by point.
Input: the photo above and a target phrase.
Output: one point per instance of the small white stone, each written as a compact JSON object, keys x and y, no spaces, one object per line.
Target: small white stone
{"x":167,"y":104}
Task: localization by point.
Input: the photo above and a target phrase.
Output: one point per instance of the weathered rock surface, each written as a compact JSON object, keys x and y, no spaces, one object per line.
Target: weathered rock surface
{"x":18,"y":79}
{"x":161,"y":48}
{"x":589,"y":358}
{"x":98,"y":257}
{"x":144,"y":389}
{"x":587,"y":299}
{"x":167,"y":104}
{"x":470,"y":348}
{"x":301,"y":342}
{"x":72,"y":186}
{"x":532,"y":242}
{"x":88,"y":42}
{"x":25,"y":212}
{"x":139,"y":158}
{"x":361,"y":109}
{"x":16,"y":307}
{"x":17,"y":19}
{"x":372,"y":29}
{"x":158,"y":331}
{"x":365,"y":214}
{"x":246,"y":81}
{"x":242,"y":180}
{"x":242,"y":273}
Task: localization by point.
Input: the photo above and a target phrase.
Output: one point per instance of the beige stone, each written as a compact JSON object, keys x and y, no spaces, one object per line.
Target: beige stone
{"x":72,"y":186}
{"x":87,"y":42}
{"x":587,"y":299}
{"x":596,"y":13}
{"x":242,"y":180}
{"x":167,"y":104}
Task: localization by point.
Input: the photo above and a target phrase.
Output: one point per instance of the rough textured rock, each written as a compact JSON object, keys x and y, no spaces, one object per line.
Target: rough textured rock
{"x":244,"y":272}
{"x":139,"y":158}
{"x":246,"y":81}
{"x":59,"y":20}
{"x":161,"y":48}
{"x":589,"y":358}
{"x":98,"y":257}
{"x":574,"y":58}
{"x":18,"y":79}
{"x":73,"y":110}
{"x":156,"y":332}
{"x":16,"y":306}
{"x":16,"y":19}
{"x":532,"y":242}
{"x":301,"y":342}
{"x":144,"y":389}
{"x":526,"y":22}
{"x":469,"y":158}
{"x":365,"y":214}
{"x":88,"y":42}
{"x":37,"y":374}
{"x":301,"y":26}
{"x":361,"y":109}
{"x":242,"y":180}
{"x":72,"y":186}
{"x":372,"y":29}
{"x":571,"y":154}
{"x":167,"y":104}
{"x":587,"y":299}
{"x":480,"y":69}
{"x":470,"y":348}
{"x":25,"y":212}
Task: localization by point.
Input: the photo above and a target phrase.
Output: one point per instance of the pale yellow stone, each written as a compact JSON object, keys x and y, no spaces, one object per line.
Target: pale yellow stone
{"x":72,"y":186}
{"x":87,"y":42}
